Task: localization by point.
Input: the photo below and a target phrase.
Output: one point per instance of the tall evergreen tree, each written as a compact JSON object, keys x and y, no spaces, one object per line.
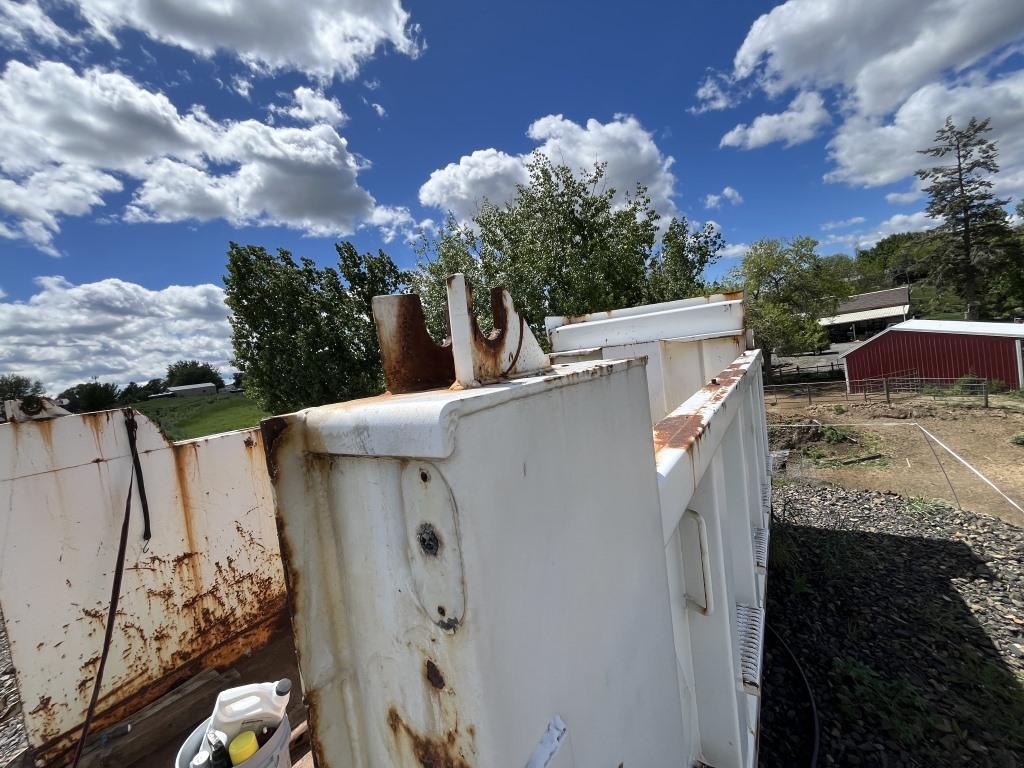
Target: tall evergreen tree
{"x":974,"y":228}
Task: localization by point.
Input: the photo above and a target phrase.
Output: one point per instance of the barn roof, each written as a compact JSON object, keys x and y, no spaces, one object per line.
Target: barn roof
{"x":869,"y":306}
{"x":1010,"y":330}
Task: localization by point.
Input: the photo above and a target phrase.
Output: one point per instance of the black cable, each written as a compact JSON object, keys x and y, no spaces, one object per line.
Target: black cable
{"x":810,"y":695}
{"x":115,"y":592}
{"x":132,"y":426}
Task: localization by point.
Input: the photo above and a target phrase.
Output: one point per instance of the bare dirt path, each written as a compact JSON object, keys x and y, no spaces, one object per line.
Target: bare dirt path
{"x":908,"y":465}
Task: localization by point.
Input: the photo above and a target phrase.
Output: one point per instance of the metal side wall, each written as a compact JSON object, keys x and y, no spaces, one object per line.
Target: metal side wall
{"x":208,"y":588}
{"x":470,"y":576}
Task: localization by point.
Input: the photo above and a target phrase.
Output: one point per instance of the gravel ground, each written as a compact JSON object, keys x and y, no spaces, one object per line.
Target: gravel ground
{"x":908,"y":619}
{"x":12,"y":733}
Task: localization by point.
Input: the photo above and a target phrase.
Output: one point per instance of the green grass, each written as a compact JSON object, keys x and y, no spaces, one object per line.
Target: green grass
{"x":182,"y":418}
{"x":1018,"y":439}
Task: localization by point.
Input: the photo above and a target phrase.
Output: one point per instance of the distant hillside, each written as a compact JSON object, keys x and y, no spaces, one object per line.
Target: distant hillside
{"x":182,"y":418}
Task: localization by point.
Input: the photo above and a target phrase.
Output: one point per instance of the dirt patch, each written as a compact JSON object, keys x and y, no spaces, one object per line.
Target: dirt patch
{"x":909,"y":467}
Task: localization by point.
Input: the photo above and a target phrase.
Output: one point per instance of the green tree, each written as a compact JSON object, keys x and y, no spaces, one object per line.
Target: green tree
{"x":185,"y":372}
{"x":788,"y":288}
{"x":91,"y":396}
{"x":562,"y":245}
{"x":304,"y":335}
{"x":677,"y":272}
{"x":15,"y":387}
{"x":898,"y":259}
{"x":976,"y":241}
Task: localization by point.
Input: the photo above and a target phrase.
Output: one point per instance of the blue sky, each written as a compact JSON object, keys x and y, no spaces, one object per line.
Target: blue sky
{"x":137,"y":138}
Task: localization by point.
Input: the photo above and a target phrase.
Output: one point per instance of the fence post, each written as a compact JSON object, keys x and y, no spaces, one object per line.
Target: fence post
{"x":984,"y":391}
{"x":809,"y":394}
{"x":885,"y":384}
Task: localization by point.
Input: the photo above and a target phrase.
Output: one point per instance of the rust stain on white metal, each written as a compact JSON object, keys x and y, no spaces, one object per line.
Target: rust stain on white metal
{"x":209,"y":587}
{"x":683,"y":428}
{"x":414,"y":362}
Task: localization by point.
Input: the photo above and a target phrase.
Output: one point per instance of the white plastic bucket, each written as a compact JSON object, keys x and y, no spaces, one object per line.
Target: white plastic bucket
{"x":273,"y":754}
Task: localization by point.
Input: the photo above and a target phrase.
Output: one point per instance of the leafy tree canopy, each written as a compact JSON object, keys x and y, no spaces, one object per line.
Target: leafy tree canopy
{"x":304,"y":335}
{"x":135,"y":393}
{"x":91,"y":396}
{"x":789,"y":286}
{"x":561,"y":245}
{"x":677,"y":272}
{"x":185,"y":372}
{"x":15,"y":387}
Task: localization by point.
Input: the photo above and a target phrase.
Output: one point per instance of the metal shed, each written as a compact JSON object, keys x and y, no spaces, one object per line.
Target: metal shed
{"x":941,"y":349}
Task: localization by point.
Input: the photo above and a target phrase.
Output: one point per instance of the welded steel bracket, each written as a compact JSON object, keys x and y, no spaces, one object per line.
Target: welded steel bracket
{"x":510,"y":349}
{"x":413,"y":361}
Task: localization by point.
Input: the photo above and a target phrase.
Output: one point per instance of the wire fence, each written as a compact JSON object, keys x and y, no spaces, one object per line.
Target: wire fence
{"x":900,"y":386}
{"x":795,"y":371}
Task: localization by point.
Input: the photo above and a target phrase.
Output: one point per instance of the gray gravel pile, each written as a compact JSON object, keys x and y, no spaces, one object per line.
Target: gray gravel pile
{"x":12,"y":733}
{"x":908,"y":619}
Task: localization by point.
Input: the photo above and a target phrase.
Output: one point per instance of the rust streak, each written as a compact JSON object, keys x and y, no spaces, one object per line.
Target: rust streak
{"x":273,"y":430}
{"x":429,"y":751}
{"x":412,"y":360}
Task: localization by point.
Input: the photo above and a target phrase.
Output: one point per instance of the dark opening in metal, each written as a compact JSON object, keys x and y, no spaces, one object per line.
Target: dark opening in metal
{"x":429,"y":541}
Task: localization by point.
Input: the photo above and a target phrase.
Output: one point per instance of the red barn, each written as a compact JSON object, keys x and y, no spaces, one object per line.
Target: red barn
{"x":940,"y":349}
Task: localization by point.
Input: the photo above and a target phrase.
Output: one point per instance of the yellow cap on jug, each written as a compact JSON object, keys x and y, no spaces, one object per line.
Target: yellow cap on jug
{"x":242,"y":747}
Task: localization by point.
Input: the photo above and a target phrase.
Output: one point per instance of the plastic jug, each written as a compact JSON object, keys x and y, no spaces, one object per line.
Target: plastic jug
{"x":250,"y":708}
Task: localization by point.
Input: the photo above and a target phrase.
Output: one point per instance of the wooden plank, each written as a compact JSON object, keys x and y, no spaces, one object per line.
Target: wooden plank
{"x":172,"y":716}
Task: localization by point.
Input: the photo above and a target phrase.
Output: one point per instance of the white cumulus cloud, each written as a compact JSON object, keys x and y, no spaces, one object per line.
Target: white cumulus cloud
{"x":871,"y":152}
{"x":323,"y":38}
{"x":894,"y":70}
{"x":111,"y":329}
{"x":878,"y":51}
{"x":798,"y":123}
{"x":313,"y":106}
{"x":828,"y":226}
{"x":627,"y":147}
{"x":67,"y":139}
{"x":900,"y":222}
{"x":24,"y":22}
{"x":728,"y":194}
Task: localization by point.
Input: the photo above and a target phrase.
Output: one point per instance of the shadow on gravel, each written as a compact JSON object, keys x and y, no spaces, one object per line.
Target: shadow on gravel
{"x":902,"y":672}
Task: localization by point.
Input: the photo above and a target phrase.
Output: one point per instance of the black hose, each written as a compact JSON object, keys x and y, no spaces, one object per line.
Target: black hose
{"x":115,"y":593}
{"x":816,"y":725}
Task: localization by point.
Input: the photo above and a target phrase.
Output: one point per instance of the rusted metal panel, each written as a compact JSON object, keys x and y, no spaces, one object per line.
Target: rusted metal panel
{"x":414,"y":362}
{"x":509,"y":350}
{"x":208,"y":588}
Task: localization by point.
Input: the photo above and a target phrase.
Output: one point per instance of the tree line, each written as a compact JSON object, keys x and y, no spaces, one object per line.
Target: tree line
{"x":303,"y":335}
{"x":95,"y":395}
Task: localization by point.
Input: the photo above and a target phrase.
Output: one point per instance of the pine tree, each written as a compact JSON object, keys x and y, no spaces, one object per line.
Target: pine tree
{"x":974,"y":228}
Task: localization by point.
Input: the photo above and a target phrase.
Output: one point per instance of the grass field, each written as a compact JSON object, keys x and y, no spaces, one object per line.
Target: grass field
{"x":182,"y":418}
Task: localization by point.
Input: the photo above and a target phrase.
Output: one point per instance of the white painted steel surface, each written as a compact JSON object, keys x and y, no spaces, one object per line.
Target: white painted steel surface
{"x":554,"y":601}
{"x":453,"y":598}
{"x":712,"y":463}
{"x":206,"y":588}
{"x":699,"y":320}
{"x":685,"y":342}
{"x":550,"y":323}
{"x":472,"y":570}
